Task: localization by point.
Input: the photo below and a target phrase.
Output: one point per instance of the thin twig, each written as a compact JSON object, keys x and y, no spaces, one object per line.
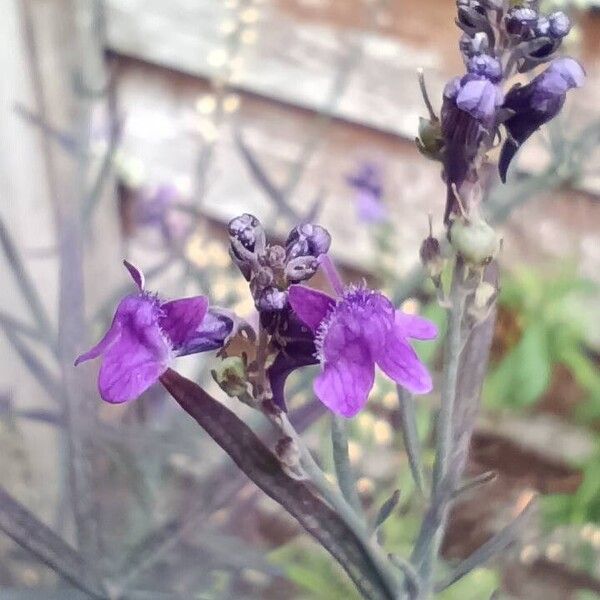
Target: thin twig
{"x":28,"y":288}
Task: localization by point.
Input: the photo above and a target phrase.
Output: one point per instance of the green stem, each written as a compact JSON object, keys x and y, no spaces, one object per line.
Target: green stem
{"x":434,"y":524}
{"x":341,"y":460}
{"x":344,"y":510}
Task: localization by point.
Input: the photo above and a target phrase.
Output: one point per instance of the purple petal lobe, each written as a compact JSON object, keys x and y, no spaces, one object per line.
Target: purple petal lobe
{"x":416,"y":327}
{"x":129,"y":369}
{"x":181,"y":319}
{"x":138,"y":354}
{"x":478,"y":98}
{"x":310,"y":305}
{"x":344,"y":385}
{"x":136,"y":275}
{"x":401,"y":363}
{"x":569,"y":69}
{"x":213,"y":333}
{"x":110,"y":337}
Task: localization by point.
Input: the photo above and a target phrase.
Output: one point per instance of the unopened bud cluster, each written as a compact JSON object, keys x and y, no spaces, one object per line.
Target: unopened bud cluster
{"x":271,"y":268}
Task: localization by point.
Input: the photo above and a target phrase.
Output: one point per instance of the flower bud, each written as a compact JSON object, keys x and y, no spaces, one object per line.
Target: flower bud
{"x":560,"y":24}
{"x":307,"y":240}
{"x":430,"y":141}
{"x":471,"y":15}
{"x":473,"y":46}
{"x":521,"y":21}
{"x":301,"y":268}
{"x":247,"y":230}
{"x":431,"y":257}
{"x":231,"y":376}
{"x":474,"y":240}
{"x":485,"y":66}
{"x":542,"y":27}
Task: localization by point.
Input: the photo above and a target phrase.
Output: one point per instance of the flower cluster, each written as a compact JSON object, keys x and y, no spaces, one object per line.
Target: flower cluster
{"x":145,"y":336}
{"x":500,"y":40}
{"x":298,"y":326}
{"x":271,"y":268}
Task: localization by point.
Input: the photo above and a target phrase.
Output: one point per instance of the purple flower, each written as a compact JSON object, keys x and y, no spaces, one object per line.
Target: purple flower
{"x":536,"y":103}
{"x":353,"y":334}
{"x":369,"y":193}
{"x":469,"y":113}
{"x":146,"y":334}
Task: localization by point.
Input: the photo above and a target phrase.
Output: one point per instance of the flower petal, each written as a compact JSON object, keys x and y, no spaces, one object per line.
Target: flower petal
{"x":478,"y":97}
{"x":213,"y":333}
{"x":569,"y":69}
{"x":128,"y":369}
{"x":136,"y":275}
{"x":344,"y":385}
{"x":401,"y":363}
{"x":295,"y":354}
{"x":138,"y":355}
{"x":310,"y":305}
{"x":181,"y":319}
{"x":415,"y":326}
{"x":110,"y":337}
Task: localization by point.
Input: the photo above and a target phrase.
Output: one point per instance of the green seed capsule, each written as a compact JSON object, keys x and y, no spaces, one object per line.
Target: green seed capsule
{"x":475,"y":241}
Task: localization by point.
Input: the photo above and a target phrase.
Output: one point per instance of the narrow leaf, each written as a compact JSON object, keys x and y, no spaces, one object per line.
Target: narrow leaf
{"x":263,"y":468}
{"x":28,"y":531}
{"x":386,"y":509}
{"x":28,"y":289}
{"x":273,"y":192}
{"x":66,"y":141}
{"x":412,"y":581}
{"x":341,"y":461}
{"x":497,"y":543}
{"x":19,"y":326}
{"x":35,"y":366}
{"x":408,"y":422}
{"x":475,"y":482}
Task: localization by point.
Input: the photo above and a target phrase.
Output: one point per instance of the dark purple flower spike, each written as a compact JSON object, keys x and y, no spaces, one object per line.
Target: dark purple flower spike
{"x":353,"y":334}
{"x":469,"y":110}
{"x":536,"y":103}
{"x":146,"y":334}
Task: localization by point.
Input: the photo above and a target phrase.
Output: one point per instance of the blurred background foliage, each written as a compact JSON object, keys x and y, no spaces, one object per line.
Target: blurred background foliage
{"x":177,"y":520}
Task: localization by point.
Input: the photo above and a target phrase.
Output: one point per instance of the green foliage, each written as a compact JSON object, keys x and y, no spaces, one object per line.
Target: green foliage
{"x":552,"y":316}
{"x":477,"y":585}
{"x":581,"y":507}
{"x":314,"y":573}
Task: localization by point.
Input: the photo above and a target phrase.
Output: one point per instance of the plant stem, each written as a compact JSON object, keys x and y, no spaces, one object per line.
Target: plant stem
{"x":434,"y":522}
{"x":341,"y":506}
{"x":341,"y":459}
